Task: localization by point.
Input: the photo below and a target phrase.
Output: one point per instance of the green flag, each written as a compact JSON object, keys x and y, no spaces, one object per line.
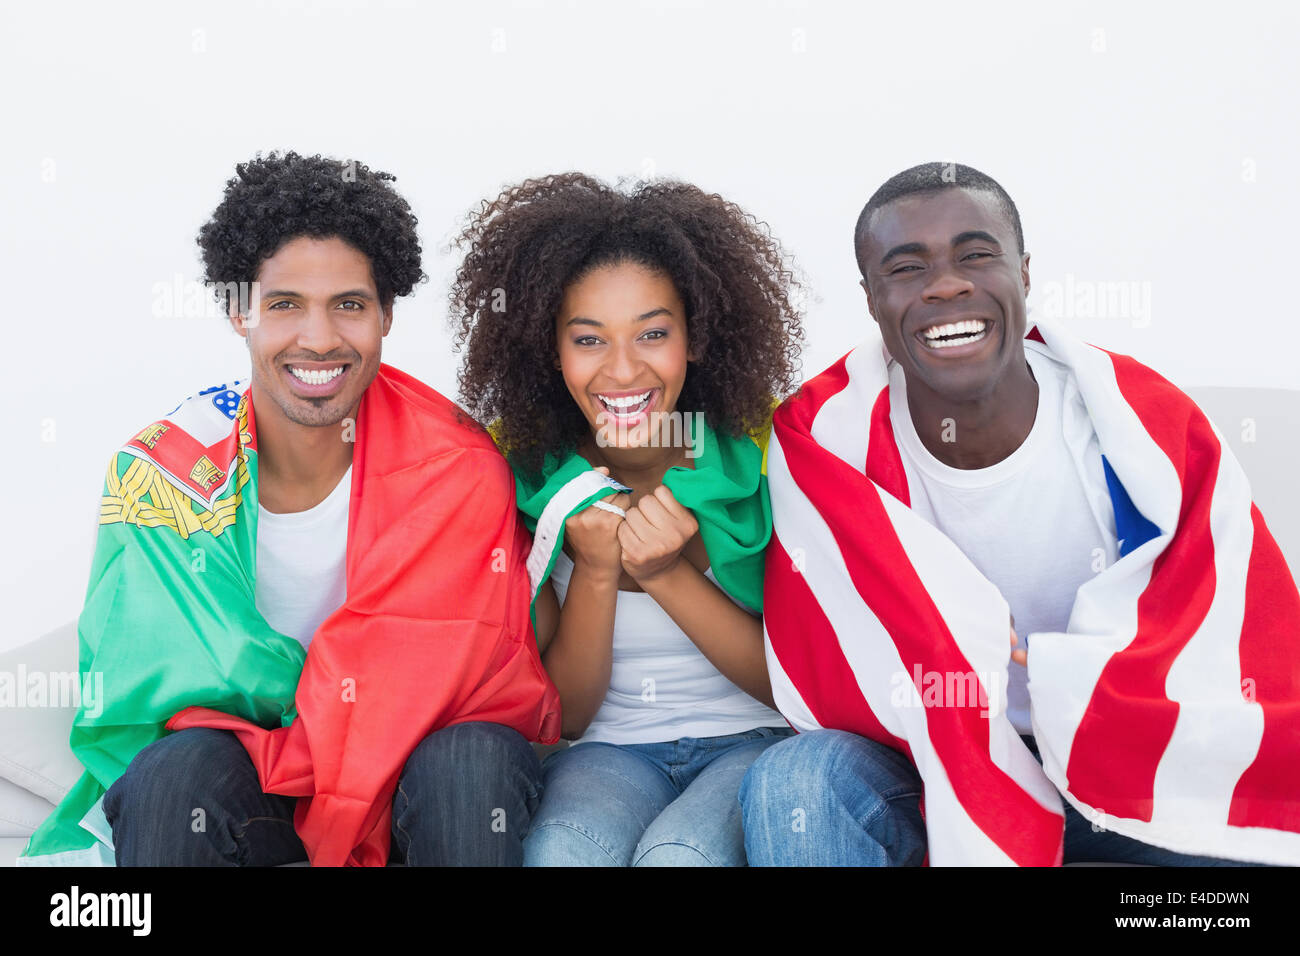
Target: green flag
{"x":726,"y":491}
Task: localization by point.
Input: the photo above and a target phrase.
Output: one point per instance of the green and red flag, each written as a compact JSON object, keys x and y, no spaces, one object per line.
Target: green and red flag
{"x":434,"y":629}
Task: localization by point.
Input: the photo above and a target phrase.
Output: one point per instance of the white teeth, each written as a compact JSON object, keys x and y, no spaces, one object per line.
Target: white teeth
{"x":955,"y":333}
{"x":969,"y":326}
{"x":627,"y":401}
{"x":316,"y":376}
{"x":949,"y":343}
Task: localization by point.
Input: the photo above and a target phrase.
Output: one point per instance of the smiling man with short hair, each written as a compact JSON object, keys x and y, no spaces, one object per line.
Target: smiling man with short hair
{"x":964,"y":479}
{"x":315,"y":578}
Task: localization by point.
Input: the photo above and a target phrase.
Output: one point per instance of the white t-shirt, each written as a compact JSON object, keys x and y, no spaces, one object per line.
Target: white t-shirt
{"x":661,"y":688}
{"x":1037,"y":524}
{"x":301,"y":563}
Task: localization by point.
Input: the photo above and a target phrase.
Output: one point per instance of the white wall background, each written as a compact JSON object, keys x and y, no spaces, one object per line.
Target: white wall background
{"x":1154,"y":145}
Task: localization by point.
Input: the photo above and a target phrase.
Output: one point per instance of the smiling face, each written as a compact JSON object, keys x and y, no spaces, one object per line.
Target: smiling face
{"x":621,"y":337}
{"x":315,"y":344}
{"x":946,"y":283}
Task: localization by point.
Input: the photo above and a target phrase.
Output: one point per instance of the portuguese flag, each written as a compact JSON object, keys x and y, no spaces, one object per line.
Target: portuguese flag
{"x":434,"y":630}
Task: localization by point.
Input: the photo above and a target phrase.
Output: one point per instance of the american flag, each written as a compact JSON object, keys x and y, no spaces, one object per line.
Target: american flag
{"x":1169,"y":711}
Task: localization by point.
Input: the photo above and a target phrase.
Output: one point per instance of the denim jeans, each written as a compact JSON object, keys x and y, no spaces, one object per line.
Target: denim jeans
{"x":465,"y":797}
{"x":831,"y":798}
{"x":661,"y":804}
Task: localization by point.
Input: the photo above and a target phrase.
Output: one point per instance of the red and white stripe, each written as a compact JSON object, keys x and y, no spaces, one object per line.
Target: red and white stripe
{"x":1139,"y":711}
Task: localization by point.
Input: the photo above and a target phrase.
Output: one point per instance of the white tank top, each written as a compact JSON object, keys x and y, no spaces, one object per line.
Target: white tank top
{"x":661,"y":688}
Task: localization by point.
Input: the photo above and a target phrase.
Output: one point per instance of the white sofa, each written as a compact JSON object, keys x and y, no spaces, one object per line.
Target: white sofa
{"x":37,"y":767}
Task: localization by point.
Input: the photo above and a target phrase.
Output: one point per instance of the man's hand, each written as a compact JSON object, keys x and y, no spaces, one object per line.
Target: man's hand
{"x":654,"y":534}
{"x":593,"y":535}
{"x":1019,"y":655}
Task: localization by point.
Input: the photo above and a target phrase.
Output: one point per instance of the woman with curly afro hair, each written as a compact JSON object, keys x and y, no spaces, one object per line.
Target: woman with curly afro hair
{"x":627,"y":345}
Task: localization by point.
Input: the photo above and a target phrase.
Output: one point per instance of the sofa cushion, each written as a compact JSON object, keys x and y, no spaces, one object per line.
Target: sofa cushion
{"x":21,"y":811}
{"x":10,"y":847}
{"x":36,"y":713}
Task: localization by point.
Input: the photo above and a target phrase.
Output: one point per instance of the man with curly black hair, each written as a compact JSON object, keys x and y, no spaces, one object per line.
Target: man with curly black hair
{"x":314,"y":577}
{"x":291,"y":219}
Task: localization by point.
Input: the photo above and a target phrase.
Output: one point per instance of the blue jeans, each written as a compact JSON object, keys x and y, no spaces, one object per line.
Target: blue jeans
{"x":663,"y":804}
{"x":831,"y":798}
{"x":465,"y":797}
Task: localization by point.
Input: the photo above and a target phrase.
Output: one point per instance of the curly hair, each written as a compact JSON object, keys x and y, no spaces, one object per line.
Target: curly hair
{"x":276,"y":198}
{"x":538,"y":237}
